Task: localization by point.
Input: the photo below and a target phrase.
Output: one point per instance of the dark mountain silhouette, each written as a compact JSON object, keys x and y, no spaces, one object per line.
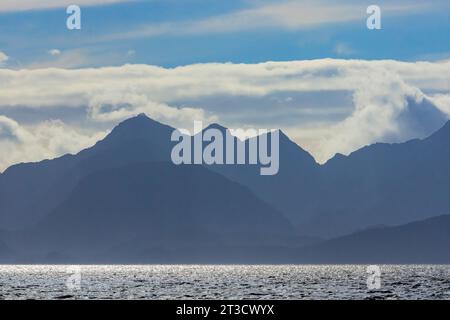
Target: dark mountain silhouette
{"x":291,"y":189}
{"x":123,"y":197}
{"x":378,"y":184}
{"x":123,"y":201}
{"x":385,"y":184}
{"x":425,"y":241}
{"x":29,"y":191}
{"x":156,"y":205}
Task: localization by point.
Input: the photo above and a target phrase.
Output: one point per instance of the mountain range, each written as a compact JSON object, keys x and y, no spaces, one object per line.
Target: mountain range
{"x":379,"y":184}
{"x":123,"y":200}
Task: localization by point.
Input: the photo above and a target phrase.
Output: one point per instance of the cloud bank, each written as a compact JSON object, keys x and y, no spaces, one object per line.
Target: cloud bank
{"x":391,"y":101}
{"x":43,"y":141}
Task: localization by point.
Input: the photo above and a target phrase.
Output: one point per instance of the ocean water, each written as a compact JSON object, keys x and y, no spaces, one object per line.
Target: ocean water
{"x":222,"y":282}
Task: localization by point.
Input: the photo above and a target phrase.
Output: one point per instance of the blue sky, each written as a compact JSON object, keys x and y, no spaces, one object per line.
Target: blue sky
{"x":110,"y":33}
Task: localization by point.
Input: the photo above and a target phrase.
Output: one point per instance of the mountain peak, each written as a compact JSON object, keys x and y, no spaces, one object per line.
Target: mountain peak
{"x":216,"y":126}
{"x":284,"y":135}
{"x":139,"y":127}
{"x":139,"y":119}
{"x":142,"y":114}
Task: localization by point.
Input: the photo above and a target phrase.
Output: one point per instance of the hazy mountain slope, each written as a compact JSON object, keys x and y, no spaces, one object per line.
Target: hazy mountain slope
{"x":379,"y":184}
{"x":385,"y":184}
{"x":289,"y":190}
{"x":156,"y":205}
{"x":425,"y":241}
{"x":29,"y":191}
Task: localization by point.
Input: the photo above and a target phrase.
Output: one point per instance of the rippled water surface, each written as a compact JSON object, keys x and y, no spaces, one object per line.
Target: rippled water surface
{"x":221,"y":282}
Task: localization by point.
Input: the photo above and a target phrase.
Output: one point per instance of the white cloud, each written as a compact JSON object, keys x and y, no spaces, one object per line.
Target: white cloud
{"x":3,"y":58}
{"x":44,"y":141}
{"x":53,"y":86}
{"x":385,"y":111}
{"x":116,"y":106}
{"x":24,"y":5}
{"x":383,"y":93}
{"x":442,"y":101}
{"x":54,"y":52}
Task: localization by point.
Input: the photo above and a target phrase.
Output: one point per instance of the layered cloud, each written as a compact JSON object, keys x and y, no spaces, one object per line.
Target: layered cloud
{"x":388,"y":101}
{"x":52,"y":86}
{"x":442,"y":101}
{"x":116,"y":106}
{"x":42,"y":141}
{"x":385,"y":111}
